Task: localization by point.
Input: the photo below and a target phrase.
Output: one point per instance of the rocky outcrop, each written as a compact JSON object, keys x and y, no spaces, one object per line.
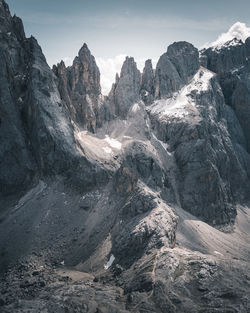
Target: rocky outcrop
{"x":185,"y":57}
{"x":148,"y":83}
{"x":126,"y":90}
{"x":80,"y":89}
{"x":231,"y":63}
{"x":175,"y":68}
{"x":36,"y":131}
{"x":167,"y":79}
{"x":17,"y":166}
{"x":154,"y":226}
{"x":194,"y":126}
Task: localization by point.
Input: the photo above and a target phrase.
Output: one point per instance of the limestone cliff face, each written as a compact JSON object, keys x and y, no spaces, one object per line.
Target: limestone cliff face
{"x":148,"y":83}
{"x":175,"y":68}
{"x":80,"y":89}
{"x":126,"y":90}
{"x":184,"y":56}
{"x":47,"y":124}
{"x":17,"y":164}
{"x":37,"y":136}
{"x":232,"y":64}
{"x":200,"y":130}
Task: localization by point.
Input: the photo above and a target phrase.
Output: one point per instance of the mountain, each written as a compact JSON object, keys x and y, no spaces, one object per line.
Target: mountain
{"x":237,"y":34}
{"x":133,"y":202}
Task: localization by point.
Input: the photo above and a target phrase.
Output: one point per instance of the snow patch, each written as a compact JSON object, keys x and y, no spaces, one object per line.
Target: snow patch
{"x":163,"y":144}
{"x":176,"y":105}
{"x":218,"y":253}
{"x":110,"y":262}
{"x":236,"y":34}
{"x":107,"y":150}
{"x":113,"y":142}
{"x":135,"y":107}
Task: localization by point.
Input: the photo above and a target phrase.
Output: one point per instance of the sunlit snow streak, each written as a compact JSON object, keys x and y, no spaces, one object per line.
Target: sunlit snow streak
{"x":110,"y":262}
{"x":113,"y":142}
{"x":175,"y":106}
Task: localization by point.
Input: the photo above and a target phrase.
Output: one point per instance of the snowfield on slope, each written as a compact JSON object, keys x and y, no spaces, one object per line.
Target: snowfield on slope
{"x":100,"y":148}
{"x":113,"y":142}
{"x":176,"y":106}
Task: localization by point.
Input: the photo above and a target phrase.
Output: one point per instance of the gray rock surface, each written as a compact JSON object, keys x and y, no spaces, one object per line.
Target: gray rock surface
{"x":80,"y":89}
{"x":231,"y":62}
{"x":185,"y":58}
{"x":167,"y":79}
{"x":206,"y":155}
{"x":126,"y":90}
{"x":175,"y":68}
{"x":36,"y":130}
{"x":148,"y":83}
{"x":135,"y":202}
{"x":17,"y":166}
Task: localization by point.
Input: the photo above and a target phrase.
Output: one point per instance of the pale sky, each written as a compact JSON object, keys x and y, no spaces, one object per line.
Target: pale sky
{"x":113,"y":29}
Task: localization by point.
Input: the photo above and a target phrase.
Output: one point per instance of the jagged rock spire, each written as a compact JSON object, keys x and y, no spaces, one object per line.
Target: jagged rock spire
{"x":126,"y":90}
{"x":175,"y":68}
{"x":148,"y":83}
{"x":185,"y":57}
{"x":10,"y":25}
{"x":80,"y":88}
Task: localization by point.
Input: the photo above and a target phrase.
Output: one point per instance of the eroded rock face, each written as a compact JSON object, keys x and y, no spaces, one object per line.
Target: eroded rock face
{"x":80,"y":89}
{"x":175,"y":68}
{"x":17,"y":166}
{"x":185,"y":58}
{"x":167,"y":79}
{"x":36,"y":131}
{"x":232,"y":64}
{"x":48,"y":126}
{"x":126,"y":90}
{"x":196,"y":131}
{"x":148,"y":83}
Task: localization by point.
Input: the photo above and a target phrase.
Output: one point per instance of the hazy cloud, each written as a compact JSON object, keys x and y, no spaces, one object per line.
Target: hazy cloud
{"x":238,"y":30}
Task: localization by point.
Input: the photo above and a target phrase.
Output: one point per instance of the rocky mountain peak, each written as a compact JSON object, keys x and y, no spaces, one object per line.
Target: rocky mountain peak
{"x":129,"y":67}
{"x":84,"y":49}
{"x":85,"y":73}
{"x":126,"y":90}
{"x":10,"y":25}
{"x":148,"y":83}
{"x":175,"y":68}
{"x":80,"y":88}
{"x":230,"y":61}
{"x":185,"y":57}
{"x":4,"y":9}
